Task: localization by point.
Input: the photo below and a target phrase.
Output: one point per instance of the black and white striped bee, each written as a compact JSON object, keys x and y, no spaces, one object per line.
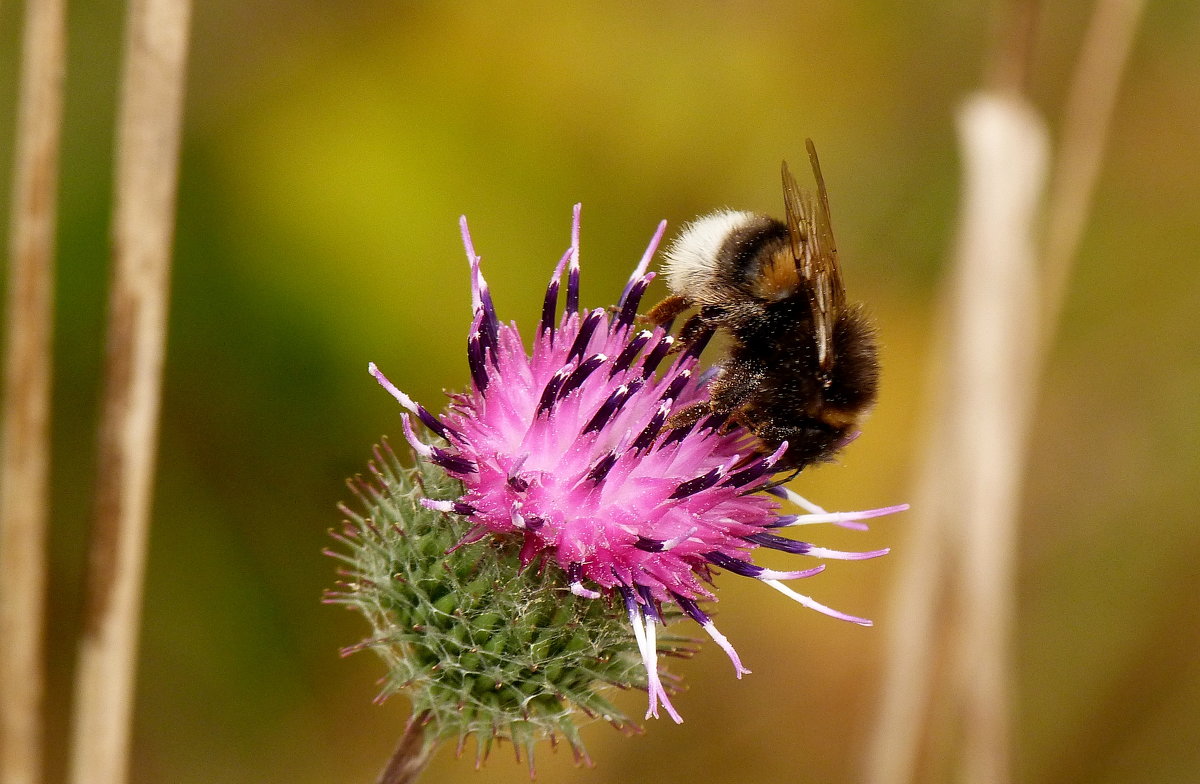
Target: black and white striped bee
{"x":802,"y":363}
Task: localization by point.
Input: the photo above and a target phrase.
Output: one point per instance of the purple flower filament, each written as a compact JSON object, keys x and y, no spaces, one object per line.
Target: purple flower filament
{"x":568,"y":447}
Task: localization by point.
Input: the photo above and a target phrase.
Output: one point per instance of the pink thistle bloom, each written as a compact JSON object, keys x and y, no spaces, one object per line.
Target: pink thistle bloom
{"x":569,"y":447}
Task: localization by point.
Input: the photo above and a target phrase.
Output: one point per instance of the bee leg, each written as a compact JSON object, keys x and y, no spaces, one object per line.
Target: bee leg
{"x":782,"y":481}
{"x":696,"y":330}
{"x":732,"y":389}
{"x":722,"y":398}
{"x":690,"y":414}
{"x":666,"y":311}
{"x":768,"y":443}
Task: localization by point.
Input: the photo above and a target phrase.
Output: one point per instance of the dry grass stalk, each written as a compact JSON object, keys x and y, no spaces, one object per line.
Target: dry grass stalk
{"x":999,"y":318}
{"x":1087,"y":118}
{"x":148,"y":134}
{"x":1005,"y":150}
{"x":969,"y":479}
{"x":25,"y":456}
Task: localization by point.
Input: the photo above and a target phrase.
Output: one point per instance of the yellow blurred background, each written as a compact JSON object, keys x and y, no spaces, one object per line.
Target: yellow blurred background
{"x":329,"y":148}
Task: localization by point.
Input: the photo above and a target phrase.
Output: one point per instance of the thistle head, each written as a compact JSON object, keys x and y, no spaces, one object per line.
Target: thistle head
{"x":480,"y":651}
{"x":562,"y":462}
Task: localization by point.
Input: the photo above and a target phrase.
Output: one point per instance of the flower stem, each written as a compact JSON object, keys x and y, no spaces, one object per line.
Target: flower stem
{"x":411,"y":755}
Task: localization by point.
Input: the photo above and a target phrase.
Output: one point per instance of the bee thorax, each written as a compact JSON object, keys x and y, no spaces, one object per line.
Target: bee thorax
{"x":692,"y":260}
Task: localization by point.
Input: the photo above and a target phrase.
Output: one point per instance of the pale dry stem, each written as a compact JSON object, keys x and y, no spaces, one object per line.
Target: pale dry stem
{"x":1087,"y":118}
{"x":146,"y":170}
{"x":25,"y":455}
{"x":998,"y":320}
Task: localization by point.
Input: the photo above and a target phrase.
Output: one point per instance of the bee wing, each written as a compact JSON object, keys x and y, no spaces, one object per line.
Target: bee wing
{"x":810,"y":233}
{"x":825,"y":249}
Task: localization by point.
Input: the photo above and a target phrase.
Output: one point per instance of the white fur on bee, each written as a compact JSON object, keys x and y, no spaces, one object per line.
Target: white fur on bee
{"x":692,"y":258}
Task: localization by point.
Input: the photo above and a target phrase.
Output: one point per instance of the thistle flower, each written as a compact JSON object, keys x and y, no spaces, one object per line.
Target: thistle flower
{"x":568,"y":450}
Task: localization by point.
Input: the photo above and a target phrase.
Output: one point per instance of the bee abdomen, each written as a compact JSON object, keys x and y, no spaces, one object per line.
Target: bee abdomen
{"x":853,"y":382}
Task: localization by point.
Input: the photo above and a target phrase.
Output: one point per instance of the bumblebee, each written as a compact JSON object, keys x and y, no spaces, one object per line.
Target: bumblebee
{"x":802,"y":362}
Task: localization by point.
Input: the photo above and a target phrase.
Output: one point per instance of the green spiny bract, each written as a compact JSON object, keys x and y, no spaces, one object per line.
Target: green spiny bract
{"x":480,"y":647}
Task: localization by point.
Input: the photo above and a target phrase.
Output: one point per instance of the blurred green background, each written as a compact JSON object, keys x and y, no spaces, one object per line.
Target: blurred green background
{"x":329,"y":148}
